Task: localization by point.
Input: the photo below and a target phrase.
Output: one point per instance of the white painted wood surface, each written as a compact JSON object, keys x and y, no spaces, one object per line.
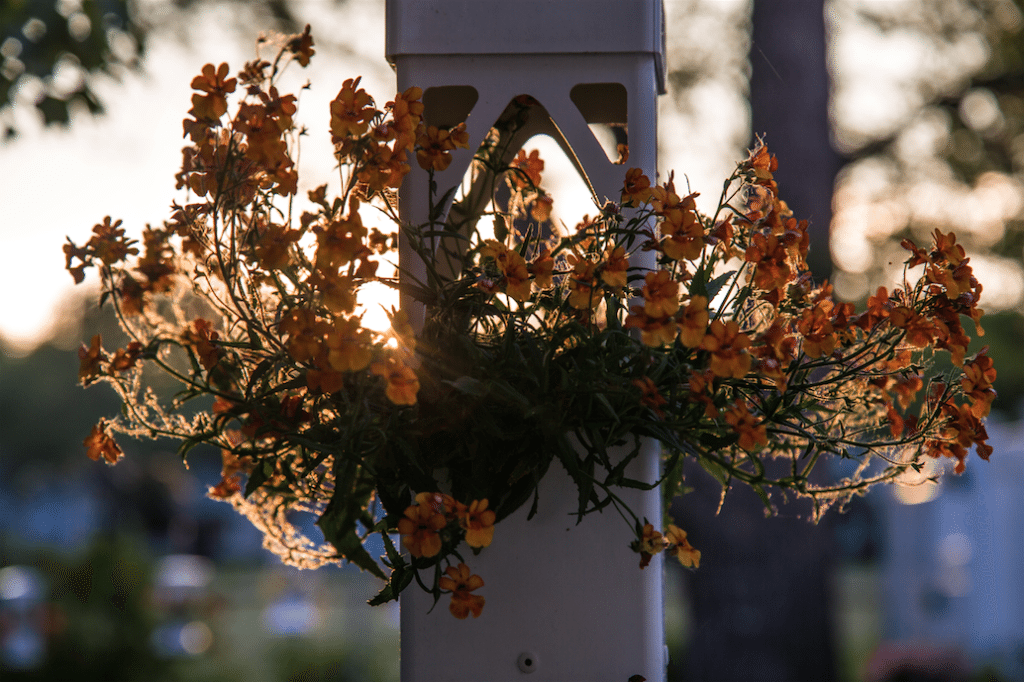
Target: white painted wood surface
{"x":564,"y":602}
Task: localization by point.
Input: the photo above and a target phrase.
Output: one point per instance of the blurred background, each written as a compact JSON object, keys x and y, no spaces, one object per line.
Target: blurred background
{"x":890,"y":118}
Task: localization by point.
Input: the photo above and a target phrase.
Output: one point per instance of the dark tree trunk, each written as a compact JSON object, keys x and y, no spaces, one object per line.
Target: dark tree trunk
{"x":789,"y":90}
{"x":761,"y":597}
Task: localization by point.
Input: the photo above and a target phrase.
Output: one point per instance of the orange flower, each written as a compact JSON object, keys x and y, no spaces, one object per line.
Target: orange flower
{"x":762,"y":163}
{"x":419,"y":528}
{"x":402,"y":383}
{"x":203,"y":339}
{"x":584,"y":290}
{"x":514,"y":272}
{"x":272,"y":246}
{"x":351,"y":111}
{"x":348,"y":346}
{"x":89,"y":360}
{"x":341,"y":240}
{"x":406,"y":114}
{"x":650,"y":396}
{"x":540,"y":209}
{"x":771,"y":268}
{"x":305,"y":333}
{"x":920,"y":331}
{"x":212,"y":81}
{"x":615,"y":267}
{"x":727,"y":345}
{"x":683,"y":233}
{"x":680,"y":547}
{"x":693,"y":322}
{"x":654,"y":331}
{"x":702,"y":391}
{"x":542,"y":269}
{"x":435,"y":149}
{"x":979,"y":373}
{"x":527,"y":169}
{"x":816,"y":328}
{"x":460,"y":582}
{"x":125,"y":358}
{"x":636,"y":189}
{"x":661,"y":294}
{"x":99,"y":444}
{"x":301,"y":45}
{"x":753,"y":435}
{"x":478,"y":522}
{"x":651,"y":542}
{"x":109,"y":243}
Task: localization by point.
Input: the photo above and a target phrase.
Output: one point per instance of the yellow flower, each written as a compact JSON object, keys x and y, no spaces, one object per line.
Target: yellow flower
{"x":460,"y":582}
{"x":636,"y":189}
{"x":680,"y":547}
{"x":693,"y":323}
{"x":615,"y":268}
{"x":651,"y":542}
{"x":478,"y":521}
{"x":727,"y":345}
{"x":661,"y":294}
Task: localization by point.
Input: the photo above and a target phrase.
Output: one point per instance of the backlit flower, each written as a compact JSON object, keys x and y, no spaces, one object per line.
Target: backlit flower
{"x":351,"y":110}
{"x":680,"y":547}
{"x":89,"y":359}
{"x":348,"y":346}
{"x":636,"y":189}
{"x":526,"y":169}
{"x":693,"y":322}
{"x":402,"y":383}
{"x":419,"y":530}
{"x":615,"y":267}
{"x":100,"y":444}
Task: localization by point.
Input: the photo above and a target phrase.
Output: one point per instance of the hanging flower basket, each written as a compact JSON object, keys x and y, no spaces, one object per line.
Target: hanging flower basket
{"x":541,"y":345}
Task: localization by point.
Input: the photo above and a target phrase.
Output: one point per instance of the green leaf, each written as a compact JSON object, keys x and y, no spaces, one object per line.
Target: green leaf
{"x":716,"y":470}
{"x":258,"y":477}
{"x":352,"y":492}
{"x":717,"y":284}
{"x":469,"y":386}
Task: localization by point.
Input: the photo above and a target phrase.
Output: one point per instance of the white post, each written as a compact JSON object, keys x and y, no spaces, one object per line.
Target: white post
{"x":564,"y":602}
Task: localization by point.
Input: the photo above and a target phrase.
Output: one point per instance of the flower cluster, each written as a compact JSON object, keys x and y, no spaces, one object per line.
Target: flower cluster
{"x":537,"y":343}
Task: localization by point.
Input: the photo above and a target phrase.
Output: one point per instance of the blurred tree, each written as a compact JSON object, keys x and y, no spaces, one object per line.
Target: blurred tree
{"x":761,"y":601}
{"x":948,"y":155}
{"x":52,"y":52}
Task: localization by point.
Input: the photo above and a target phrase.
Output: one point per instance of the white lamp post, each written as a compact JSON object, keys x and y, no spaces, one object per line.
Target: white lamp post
{"x":564,"y":601}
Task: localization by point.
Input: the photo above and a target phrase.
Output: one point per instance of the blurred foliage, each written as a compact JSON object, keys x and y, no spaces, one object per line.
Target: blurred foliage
{"x":53,"y":52}
{"x":96,"y":618}
{"x":954,"y":161}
